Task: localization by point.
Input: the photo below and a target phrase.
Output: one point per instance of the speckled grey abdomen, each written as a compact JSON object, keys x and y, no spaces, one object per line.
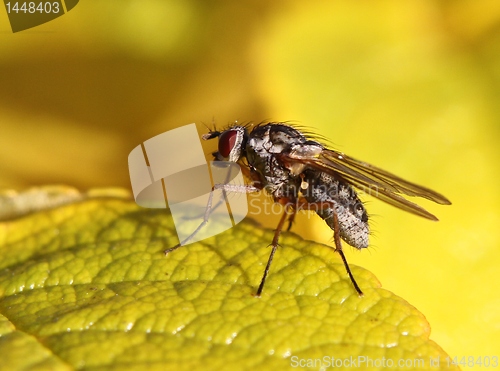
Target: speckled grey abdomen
{"x":352,"y":216}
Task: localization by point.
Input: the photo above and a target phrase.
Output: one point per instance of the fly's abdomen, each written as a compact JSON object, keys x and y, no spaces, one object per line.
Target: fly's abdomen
{"x":324,"y":190}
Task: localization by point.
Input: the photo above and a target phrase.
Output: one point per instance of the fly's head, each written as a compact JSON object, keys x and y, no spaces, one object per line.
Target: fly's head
{"x":232,"y":143}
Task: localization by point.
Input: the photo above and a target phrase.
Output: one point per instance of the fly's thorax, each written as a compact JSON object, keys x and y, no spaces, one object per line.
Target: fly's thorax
{"x":336,"y":196}
{"x":264,"y":146}
{"x":273,"y":176}
{"x":275,"y":138}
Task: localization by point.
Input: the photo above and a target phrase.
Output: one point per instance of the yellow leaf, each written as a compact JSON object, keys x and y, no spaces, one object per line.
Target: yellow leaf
{"x":87,"y":286}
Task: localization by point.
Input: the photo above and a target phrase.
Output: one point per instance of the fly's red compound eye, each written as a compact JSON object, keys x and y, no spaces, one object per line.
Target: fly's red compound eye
{"x":227,"y":140}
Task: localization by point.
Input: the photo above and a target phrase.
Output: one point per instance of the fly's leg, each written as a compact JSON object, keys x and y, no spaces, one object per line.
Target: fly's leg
{"x":304,"y":185}
{"x":304,"y":205}
{"x":225,"y":188}
{"x":291,"y":219}
{"x":338,"y":248}
{"x":274,"y":245}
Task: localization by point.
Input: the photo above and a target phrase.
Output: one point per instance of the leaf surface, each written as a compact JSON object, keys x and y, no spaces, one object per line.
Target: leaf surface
{"x":87,"y":286}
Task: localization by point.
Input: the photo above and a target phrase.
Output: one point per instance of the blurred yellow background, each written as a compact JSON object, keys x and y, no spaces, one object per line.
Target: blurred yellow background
{"x":412,"y":87}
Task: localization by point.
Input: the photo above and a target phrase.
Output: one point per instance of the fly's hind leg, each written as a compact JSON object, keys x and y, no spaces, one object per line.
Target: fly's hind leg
{"x":338,"y":248}
{"x":304,"y":205}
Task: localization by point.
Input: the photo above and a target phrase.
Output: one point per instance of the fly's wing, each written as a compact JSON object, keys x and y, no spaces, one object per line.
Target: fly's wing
{"x":368,"y":178}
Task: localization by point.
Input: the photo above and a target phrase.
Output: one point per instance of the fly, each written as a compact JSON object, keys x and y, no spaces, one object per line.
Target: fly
{"x":303,"y":174}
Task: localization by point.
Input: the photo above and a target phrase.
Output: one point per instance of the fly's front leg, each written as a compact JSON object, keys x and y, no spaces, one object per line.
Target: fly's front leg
{"x":209,"y":209}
